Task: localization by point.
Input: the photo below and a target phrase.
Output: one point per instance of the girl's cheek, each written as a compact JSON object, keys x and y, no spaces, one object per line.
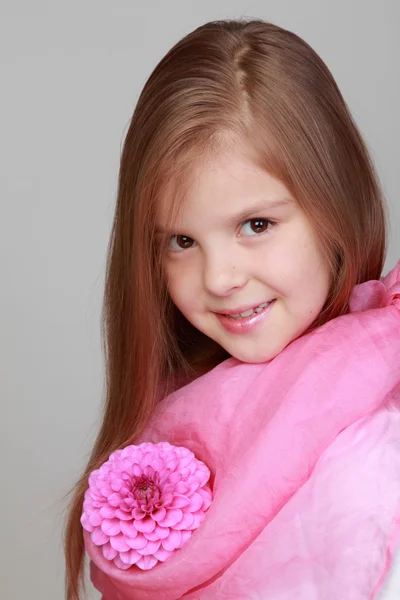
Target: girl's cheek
{"x":178,"y":278}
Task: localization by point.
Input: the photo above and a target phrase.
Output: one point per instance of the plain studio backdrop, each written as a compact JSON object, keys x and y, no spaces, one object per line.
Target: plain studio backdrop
{"x":71,"y":73}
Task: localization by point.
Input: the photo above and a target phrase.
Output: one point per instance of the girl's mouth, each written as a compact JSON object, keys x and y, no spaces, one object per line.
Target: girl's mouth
{"x":247,"y":321}
{"x":248,"y":313}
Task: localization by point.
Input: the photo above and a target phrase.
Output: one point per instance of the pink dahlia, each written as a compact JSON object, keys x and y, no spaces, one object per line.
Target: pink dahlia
{"x":144,"y":503}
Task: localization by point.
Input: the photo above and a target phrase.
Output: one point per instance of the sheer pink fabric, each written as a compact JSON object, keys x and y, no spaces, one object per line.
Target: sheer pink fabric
{"x":304,"y":452}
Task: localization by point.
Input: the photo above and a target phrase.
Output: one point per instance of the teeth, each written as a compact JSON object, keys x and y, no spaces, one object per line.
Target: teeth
{"x":250,"y":312}
{"x":247,"y":313}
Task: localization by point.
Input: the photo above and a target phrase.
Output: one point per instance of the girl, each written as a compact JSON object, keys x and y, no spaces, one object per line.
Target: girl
{"x":243,"y":281}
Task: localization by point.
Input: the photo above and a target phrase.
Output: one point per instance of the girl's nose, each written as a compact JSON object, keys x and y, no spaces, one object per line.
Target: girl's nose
{"x":222,"y":275}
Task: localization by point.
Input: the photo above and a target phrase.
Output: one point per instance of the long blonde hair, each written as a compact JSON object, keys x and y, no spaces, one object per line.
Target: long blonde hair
{"x":226,"y":81}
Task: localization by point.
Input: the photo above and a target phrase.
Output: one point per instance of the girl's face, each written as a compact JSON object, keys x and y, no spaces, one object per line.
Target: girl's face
{"x":243,"y":264}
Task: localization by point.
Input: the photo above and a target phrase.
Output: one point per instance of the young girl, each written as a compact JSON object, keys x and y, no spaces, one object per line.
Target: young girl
{"x":243,"y":282}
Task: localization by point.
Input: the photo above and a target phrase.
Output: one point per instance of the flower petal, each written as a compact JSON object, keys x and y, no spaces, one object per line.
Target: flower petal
{"x":203,"y":479}
{"x":111,"y":526}
{"x":162,"y":555}
{"x":156,"y":463}
{"x":186,"y":521}
{"x":171,"y":463}
{"x":150,"y":548}
{"x":151,"y":536}
{"x":148,"y":470}
{"x":145,"y":525}
{"x":158,"y":515}
{"x":172,"y":517}
{"x":198,"y":518}
{"x":146,"y":563}
{"x":124,"y":515}
{"x":174,"y":539}
{"x":108,"y":552}
{"x":194,"y":485}
{"x":162,"y":475}
{"x":99,"y":537}
{"x":130,"y":557}
{"x":186,"y":535}
{"x":169,"y":544}
{"x":118,"y":542}
{"x":186,"y":459}
{"x":114,"y":499}
{"x":94,"y":518}
{"x":180,"y":501}
{"x":162,"y":532}
{"x":182,"y":488}
{"x":107,"y":511}
{"x":120,"y":564}
{"x":136,"y":543}
{"x":196,"y":502}
{"x":137,"y":470}
{"x":206,"y":494}
{"x":118,"y":485}
{"x":175,"y":477}
{"x":128,"y":529}
{"x":85,"y":523}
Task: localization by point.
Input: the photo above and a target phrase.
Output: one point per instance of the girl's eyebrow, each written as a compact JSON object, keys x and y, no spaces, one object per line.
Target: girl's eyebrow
{"x":253,"y":209}
{"x":259,"y":207}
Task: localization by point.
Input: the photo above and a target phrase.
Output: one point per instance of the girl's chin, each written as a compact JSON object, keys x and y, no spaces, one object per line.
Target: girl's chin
{"x":252,"y":356}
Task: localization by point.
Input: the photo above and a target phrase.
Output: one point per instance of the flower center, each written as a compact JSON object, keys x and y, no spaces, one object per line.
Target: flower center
{"x":145,"y":490}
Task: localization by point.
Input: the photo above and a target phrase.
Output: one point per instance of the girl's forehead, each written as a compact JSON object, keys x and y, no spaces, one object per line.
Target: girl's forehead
{"x":221,"y":183}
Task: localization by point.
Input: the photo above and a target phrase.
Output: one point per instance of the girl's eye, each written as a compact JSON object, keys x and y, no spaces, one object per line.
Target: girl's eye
{"x":180,"y":242}
{"x":256,"y":226}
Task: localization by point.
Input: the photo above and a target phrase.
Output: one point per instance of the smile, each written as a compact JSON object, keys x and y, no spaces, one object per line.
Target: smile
{"x":251,"y":311}
{"x":246,"y":321}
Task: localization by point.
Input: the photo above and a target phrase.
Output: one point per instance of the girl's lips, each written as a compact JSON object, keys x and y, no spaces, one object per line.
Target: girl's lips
{"x":245,"y":324}
{"x":241,"y":309}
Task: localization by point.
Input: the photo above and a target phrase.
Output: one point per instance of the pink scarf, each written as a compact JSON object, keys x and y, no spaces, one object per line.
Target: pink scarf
{"x":304,"y":452}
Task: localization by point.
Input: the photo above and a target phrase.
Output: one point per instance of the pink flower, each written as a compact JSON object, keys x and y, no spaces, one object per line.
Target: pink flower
{"x":144,"y":503}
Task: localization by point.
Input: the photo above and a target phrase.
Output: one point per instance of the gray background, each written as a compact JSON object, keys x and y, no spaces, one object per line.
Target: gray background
{"x":70,"y":74}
